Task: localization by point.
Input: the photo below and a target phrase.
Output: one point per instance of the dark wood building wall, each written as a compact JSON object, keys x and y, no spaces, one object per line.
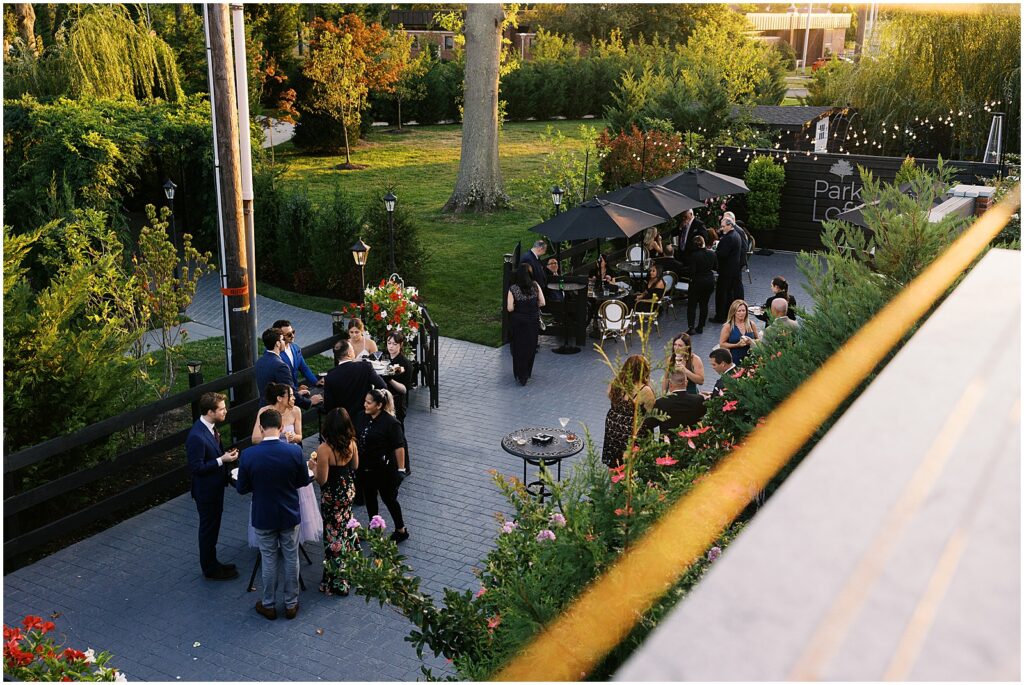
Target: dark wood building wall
{"x":821,"y":185}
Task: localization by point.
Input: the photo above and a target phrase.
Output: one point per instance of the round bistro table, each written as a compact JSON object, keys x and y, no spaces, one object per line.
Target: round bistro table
{"x":546,"y":455}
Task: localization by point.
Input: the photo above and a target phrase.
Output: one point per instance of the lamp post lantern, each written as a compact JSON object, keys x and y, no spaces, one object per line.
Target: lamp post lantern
{"x":169,"y":189}
{"x":389,"y":205}
{"x":359,"y":252}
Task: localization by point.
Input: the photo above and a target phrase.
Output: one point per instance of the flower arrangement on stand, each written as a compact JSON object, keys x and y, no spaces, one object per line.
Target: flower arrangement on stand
{"x":388,"y":307}
{"x":31,"y":655}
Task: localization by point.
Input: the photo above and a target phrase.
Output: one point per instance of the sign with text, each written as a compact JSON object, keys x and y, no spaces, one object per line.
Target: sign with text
{"x":820,"y":186}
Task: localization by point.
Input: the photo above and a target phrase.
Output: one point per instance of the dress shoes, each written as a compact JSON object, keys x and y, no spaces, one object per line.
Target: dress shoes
{"x":269,"y":613}
{"x":291,"y":612}
{"x":223,"y":573}
{"x":689,"y":331}
{"x":400,"y":535}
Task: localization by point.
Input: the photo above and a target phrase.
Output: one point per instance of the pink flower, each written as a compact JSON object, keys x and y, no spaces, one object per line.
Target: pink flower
{"x":730,"y":406}
{"x":480,"y":592}
{"x":545,"y":535}
{"x":377,"y":522}
{"x":714,"y":553}
{"x":666,"y":461}
{"x":557,"y":519}
{"x":617,"y":477}
{"x":352,"y":524}
{"x":494,"y":621}
{"x":624,"y":512}
{"x":336,"y":545}
{"x":739,"y":372}
{"x":509,"y":526}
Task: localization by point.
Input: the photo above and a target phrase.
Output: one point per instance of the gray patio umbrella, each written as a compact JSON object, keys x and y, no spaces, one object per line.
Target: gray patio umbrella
{"x":653,"y":199}
{"x":597,"y":218}
{"x":700,"y":184}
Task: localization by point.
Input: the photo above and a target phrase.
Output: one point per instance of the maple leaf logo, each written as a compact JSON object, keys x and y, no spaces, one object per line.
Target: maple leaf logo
{"x":842,"y":168}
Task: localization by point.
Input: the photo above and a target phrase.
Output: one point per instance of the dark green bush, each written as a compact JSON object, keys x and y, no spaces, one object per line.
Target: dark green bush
{"x":410,"y":255}
{"x":765,"y":178}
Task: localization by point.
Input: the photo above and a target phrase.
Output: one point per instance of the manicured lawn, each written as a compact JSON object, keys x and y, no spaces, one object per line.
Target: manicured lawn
{"x":463,"y":277}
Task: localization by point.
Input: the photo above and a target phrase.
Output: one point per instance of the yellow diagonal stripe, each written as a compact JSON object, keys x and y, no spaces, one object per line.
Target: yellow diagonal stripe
{"x":569,"y":647}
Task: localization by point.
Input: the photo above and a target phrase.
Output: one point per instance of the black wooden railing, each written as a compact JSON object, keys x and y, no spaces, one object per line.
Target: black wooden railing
{"x":19,"y":539}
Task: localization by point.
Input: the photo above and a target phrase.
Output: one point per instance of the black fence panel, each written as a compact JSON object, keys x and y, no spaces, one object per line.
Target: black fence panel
{"x":821,"y":185}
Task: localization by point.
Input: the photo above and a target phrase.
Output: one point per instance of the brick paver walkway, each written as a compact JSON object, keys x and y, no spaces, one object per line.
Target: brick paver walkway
{"x":136,"y":589}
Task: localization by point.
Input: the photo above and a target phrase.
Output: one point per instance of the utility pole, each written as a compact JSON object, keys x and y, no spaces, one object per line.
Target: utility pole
{"x":240,"y":328}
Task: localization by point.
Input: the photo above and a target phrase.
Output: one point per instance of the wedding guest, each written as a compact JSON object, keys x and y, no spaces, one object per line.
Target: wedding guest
{"x":381,"y":460}
{"x":730,"y":266}
{"x":739,"y":332}
{"x":272,"y":368}
{"x":690,"y":228}
{"x":700,"y":264}
{"x":781,"y":324}
{"x":654,"y":290}
{"x":684,"y":370}
{"x":208,"y":473}
{"x":523,"y":301}
{"x":780,"y":290}
{"x":630,"y":394}
{"x":281,"y":398}
{"x":399,"y":382}
{"x":334,"y":465}
{"x":362,"y":344}
{"x":652,"y":243}
{"x":346,"y":384}
{"x":721,"y":362}
{"x":292,"y":355}
{"x":273,"y":471}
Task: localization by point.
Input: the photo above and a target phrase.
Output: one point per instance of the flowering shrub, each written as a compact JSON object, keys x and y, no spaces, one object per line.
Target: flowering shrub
{"x":388,"y":307}
{"x":31,"y":655}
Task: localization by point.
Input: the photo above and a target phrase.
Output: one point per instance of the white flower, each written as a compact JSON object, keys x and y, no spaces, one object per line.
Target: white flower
{"x":196,"y":644}
{"x":121,"y":677}
{"x":383,"y":313}
{"x":389,"y":327}
{"x":90,"y":656}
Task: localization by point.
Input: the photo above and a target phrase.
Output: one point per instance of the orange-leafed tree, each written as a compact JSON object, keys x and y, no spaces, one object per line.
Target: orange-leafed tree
{"x":348,"y":59}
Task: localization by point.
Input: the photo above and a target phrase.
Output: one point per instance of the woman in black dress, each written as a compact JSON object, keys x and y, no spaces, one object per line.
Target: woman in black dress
{"x":381,"y":460}
{"x":399,"y":382}
{"x":780,"y":288}
{"x":334,"y":469}
{"x":523,"y":302}
{"x":700,"y":263}
{"x":653,"y":291}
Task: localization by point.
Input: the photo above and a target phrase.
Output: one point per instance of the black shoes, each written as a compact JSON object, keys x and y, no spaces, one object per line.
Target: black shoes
{"x":270,"y":613}
{"x":400,"y":535}
{"x":289,"y":612}
{"x":689,"y":331}
{"x":700,"y":330}
{"x":224,"y":572}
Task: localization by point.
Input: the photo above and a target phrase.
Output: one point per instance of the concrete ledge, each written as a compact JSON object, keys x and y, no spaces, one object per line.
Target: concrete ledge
{"x":893,"y":551}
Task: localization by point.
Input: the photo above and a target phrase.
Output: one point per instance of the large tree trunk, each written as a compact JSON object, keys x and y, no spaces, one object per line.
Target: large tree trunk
{"x":479,"y":186}
{"x":26,"y":25}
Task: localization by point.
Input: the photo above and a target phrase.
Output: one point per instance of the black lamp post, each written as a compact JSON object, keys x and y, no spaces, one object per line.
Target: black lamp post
{"x":195,"y":377}
{"x":169,"y":188}
{"x":389,"y":205}
{"x":359,"y":253}
{"x":556,"y":198}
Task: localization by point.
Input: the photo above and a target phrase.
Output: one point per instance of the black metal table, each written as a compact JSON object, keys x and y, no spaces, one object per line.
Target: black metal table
{"x":550,"y":454}
{"x":564,"y":288}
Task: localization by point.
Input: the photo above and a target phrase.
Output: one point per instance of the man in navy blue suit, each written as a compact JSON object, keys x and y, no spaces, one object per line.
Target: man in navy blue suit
{"x":292,"y":355}
{"x":270,"y":368}
{"x":273,"y":471}
{"x":208,"y":472}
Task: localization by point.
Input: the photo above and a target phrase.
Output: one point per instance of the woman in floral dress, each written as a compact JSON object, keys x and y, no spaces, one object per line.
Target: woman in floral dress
{"x":334,"y":469}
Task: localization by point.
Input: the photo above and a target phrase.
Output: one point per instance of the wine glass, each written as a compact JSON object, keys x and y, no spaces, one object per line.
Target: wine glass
{"x":564,"y":421}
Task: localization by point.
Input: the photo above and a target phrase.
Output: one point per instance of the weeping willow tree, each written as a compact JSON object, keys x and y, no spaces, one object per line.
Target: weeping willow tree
{"x":933,"y":84}
{"x":99,"y":52}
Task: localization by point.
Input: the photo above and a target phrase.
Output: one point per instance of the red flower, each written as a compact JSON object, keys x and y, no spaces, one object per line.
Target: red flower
{"x":11,"y":633}
{"x":494,"y":622}
{"x":31,"y":622}
{"x":73,"y":655}
{"x":730,"y":406}
{"x":383,"y":282}
{"x":693,"y":433}
{"x":624,"y":512}
{"x":376,"y":307}
{"x":378,"y":316}
{"x":394,"y":296}
{"x":666,"y":461}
